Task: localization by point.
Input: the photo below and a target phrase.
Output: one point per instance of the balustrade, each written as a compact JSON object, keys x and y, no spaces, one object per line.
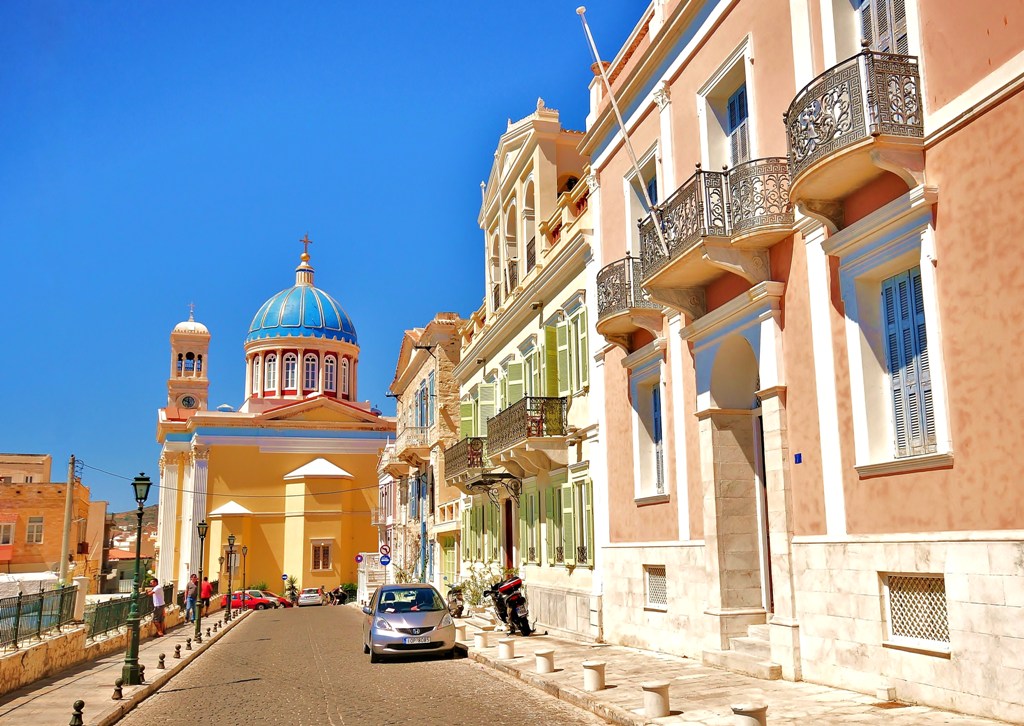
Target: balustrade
{"x":529,"y":417}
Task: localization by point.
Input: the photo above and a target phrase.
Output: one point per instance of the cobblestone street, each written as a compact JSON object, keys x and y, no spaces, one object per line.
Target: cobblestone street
{"x":306,"y":666}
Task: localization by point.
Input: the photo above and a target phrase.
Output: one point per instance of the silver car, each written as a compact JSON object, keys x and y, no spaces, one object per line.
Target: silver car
{"x":404,"y":619}
{"x":310,"y":596}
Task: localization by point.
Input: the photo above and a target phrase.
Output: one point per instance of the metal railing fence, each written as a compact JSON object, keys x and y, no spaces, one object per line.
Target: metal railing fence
{"x":32,"y":616}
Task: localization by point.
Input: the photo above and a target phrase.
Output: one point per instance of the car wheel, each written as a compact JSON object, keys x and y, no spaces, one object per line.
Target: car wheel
{"x":261,"y":606}
{"x":366,"y":648}
{"x":374,"y":658}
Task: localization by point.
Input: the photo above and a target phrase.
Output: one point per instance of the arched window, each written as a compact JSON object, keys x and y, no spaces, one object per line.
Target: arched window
{"x":344,"y":377}
{"x":190,"y":362}
{"x":270,"y":380}
{"x":330,"y":374}
{"x":309,"y":372}
{"x":199,"y":363}
{"x":291,"y":362}
{"x":181,"y":362}
{"x":255,"y":374}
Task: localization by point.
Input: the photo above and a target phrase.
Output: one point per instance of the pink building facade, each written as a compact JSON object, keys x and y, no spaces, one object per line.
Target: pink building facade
{"x":804,"y":340}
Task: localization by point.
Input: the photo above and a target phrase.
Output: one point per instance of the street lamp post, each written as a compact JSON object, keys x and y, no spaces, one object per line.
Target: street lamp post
{"x":201,"y":528}
{"x":231,"y":553}
{"x":130,"y":670}
{"x":245,"y":551}
{"x":220,"y":571}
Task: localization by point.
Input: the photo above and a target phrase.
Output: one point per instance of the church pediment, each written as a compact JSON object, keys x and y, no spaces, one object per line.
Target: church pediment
{"x":321,"y":410}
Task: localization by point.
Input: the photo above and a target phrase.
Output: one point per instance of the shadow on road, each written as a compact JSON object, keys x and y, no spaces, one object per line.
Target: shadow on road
{"x":209,"y":685}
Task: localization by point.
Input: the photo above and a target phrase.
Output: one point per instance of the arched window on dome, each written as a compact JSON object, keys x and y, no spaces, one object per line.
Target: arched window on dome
{"x":330,"y":374}
{"x":190,"y":362}
{"x":291,"y":363}
{"x":309,"y":366}
{"x":255,"y":374}
{"x":344,"y":377}
{"x":270,"y":376}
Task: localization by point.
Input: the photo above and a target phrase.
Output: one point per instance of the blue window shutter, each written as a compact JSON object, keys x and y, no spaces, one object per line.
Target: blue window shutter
{"x":906,"y":353}
{"x":659,"y":448}
{"x":924,"y":376}
{"x":431,"y":399}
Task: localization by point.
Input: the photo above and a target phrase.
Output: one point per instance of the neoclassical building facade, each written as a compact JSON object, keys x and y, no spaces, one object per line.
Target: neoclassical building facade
{"x":291,"y":473}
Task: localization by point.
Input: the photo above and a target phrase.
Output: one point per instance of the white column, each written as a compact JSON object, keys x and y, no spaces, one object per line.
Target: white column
{"x":681,"y":480}
{"x":320,"y":357}
{"x":279,"y":378}
{"x":187,"y":526}
{"x":263,"y":372}
{"x":167,"y":515}
{"x":300,"y":373}
{"x":248,"y":375}
{"x":200,"y":459}
{"x":665,"y":146}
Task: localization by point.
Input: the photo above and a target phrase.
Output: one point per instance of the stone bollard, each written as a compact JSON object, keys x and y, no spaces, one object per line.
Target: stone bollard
{"x":177,"y":650}
{"x":545,"y":661}
{"x":480,"y":640}
{"x":160,"y":662}
{"x":750,"y":714}
{"x":506,"y":649}
{"x":118,"y":693}
{"x":199,"y":638}
{"x":655,"y":699}
{"x":460,"y":632}
{"x":76,"y":714}
{"x":207,"y":632}
{"x":142,"y":673}
{"x":188,"y":643}
{"x":593,"y":675}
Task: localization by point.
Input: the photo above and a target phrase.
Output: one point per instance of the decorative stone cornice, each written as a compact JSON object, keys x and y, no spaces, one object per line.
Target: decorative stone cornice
{"x":200,"y":453}
{"x":592,"y":181}
{"x":661,"y":95}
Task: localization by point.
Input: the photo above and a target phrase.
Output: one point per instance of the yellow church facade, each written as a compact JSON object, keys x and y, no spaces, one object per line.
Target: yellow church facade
{"x":292,"y":473}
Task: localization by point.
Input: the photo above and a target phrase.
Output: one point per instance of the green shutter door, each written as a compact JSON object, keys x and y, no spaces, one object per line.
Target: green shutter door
{"x":538,"y":373}
{"x":487,"y":395}
{"x":515,"y":382}
{"x":582,"y":350}
{"x":550,"y":361}
{"x":466,"y":419}
{"x":549,"y":523}
{"x":569,"y":523}
{"x":563,"y":362}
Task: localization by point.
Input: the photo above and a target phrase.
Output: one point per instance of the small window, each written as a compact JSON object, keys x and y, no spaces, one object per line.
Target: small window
{"x":656,"y":586}
{"x":256,"y":374}
{"x":34,"y":532}
{"x":344,"y":378}
{"x":916,"y":611}
{"x":309,"y":373}
{"x":190,"y":362}
{"x":29,"y":479}
{"x":321,"y":556}
{"x":291,"y":362}
{"x":883,"y":24}
{"x":330,"y":374}
{"x":739,"y":146}
{"x":270,"y":382}
{"x":6,"y":534}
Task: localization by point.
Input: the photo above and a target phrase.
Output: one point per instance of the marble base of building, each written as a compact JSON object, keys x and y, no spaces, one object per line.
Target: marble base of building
{"x":566,"y":613}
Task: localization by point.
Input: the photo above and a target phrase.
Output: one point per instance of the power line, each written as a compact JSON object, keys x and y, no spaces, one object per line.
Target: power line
{"x":234,"y":496}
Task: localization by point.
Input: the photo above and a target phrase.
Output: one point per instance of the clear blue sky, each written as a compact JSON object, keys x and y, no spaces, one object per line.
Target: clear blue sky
{"x":157,"y":154}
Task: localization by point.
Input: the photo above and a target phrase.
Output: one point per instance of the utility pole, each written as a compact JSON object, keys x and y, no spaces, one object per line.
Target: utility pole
{"x":69,"y":497}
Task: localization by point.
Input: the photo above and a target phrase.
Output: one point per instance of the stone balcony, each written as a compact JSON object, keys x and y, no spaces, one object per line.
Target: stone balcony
{"x":622,"y":307}
{"x":413,"y":445}
{"x":530,"y":436}
{"x":850,"y":124}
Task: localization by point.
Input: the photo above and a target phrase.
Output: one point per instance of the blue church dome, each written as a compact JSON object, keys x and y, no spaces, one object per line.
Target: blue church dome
{"x":302,"y":311}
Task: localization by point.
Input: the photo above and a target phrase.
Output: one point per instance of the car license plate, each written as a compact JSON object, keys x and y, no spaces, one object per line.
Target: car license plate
{"x":421,"y":639}
{"x":523,"y":612}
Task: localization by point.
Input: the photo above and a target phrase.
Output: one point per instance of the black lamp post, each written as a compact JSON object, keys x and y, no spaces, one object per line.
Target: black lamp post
{"x":245,"y":551}
{"x":201,"y":528}
{"x":130,"y":670}
{"x":231,"y":556}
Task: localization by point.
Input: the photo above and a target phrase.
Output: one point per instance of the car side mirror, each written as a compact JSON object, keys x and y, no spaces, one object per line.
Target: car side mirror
{"x":366,"y":610}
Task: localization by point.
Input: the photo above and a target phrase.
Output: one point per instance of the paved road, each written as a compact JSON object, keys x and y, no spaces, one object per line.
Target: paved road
{"x":306,"y":666}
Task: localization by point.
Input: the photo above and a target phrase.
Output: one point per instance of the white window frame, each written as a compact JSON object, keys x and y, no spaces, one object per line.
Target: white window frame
{"x":647,"y":368}
{"x":713,"y":95}
{"x":256,"y":373}
{"x":901,"y":641}
{"x":291,"y":371}
{"x":893,"y":239}
{"x":7,"y":533}
{"x":310,"y":372}
{"x":330,"y":374}
{"x":344,"y":368}
{"x":270,"y":373}
{"x":634,"y":199}
{"x":840,"y":34}
{"x":34,"y":530}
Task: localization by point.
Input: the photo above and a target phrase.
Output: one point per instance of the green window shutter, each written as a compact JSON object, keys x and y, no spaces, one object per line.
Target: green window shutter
{"x":563,"y":362}
{"x":523,"y":527}
{"x":477,"y":532}
{"x":535,"y":524}
{"x":515,"y":382}
{"x":466,"y":419}
{"x":569,"y":523}
{"x":502,"y":402}
{"x":538,"y":373}
{"x":549,"y":524}
{"x":495,"y":530}
{"x":583,"y":359}
{"x":587,"y":491}
{"x":550,"y":361}
{"x":487,"y":402}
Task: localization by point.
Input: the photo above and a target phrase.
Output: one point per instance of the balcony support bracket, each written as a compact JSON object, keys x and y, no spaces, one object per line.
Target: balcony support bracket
{"x":827,"y":211}
{"x":689,"y":300}
{"x":906,"y":162}
{"x":751,"y":265}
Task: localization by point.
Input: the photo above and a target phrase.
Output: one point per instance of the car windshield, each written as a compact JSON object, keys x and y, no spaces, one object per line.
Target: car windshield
{"x":310,"y":591}
{"x":418,"y":599}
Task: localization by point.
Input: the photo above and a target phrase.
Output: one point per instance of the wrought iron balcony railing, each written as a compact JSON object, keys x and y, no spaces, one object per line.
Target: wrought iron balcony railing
{"x":868,"y":95}
{"x":529,"y":417}
{"x":470,"y":453}
{"x":696,"y":210}
{"x":618,"y":288}
{"x":412,"y":437}
{"x":759,"y":196}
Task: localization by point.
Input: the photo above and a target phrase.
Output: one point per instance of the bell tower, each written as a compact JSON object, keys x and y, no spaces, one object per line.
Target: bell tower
{"x":188,"y":384}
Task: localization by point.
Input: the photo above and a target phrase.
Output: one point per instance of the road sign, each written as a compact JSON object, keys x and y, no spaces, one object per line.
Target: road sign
{"x":359,"y":558}
{"x":385,"y":550}
{"x":385,"y":560}
{"x":283,"y":576}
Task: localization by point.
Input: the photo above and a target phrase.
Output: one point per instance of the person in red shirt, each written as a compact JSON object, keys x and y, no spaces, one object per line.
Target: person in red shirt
{"x":205,"y":593}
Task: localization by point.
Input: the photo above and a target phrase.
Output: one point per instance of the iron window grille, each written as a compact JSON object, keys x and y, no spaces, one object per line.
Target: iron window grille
{"x":916,"y":611}
{"x":656,"y":586}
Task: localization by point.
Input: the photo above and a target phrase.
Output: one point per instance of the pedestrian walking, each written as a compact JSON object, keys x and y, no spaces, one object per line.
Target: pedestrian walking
{"x":205,"y":593}
{"x":191,"y":596}
{"x":157,"y":593}
{"x":320,"y":590}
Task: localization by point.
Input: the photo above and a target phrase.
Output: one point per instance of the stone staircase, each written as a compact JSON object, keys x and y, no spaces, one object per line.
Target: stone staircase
{"x":750,"y":655}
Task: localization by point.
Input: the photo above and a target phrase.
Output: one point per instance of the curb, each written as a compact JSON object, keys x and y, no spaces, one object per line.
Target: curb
{"x":140,"y":694}
{"x":574,"y":696}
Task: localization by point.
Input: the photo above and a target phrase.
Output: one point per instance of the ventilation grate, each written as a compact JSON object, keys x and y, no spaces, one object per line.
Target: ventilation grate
{"x":657,"y":589}
{"x":917,"y":607}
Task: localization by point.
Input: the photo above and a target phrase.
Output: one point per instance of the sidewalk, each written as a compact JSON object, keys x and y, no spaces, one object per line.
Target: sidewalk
{"x":49,"y":702}
{"x":699,"y":695}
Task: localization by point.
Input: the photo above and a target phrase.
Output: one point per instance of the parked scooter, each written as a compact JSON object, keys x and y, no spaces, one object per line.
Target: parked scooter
{"x":456,"y":603}
{"x":510,"y":605}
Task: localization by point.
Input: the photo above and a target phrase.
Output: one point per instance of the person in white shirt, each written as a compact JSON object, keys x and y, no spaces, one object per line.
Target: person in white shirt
{"x":157,"y":593}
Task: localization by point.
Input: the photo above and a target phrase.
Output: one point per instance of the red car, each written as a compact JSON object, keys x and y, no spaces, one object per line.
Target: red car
{"x":279,"y":600}
{"x":254,"y":600}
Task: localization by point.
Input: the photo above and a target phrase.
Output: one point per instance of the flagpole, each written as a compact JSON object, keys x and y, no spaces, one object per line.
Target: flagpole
{"x":581,"y":11}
